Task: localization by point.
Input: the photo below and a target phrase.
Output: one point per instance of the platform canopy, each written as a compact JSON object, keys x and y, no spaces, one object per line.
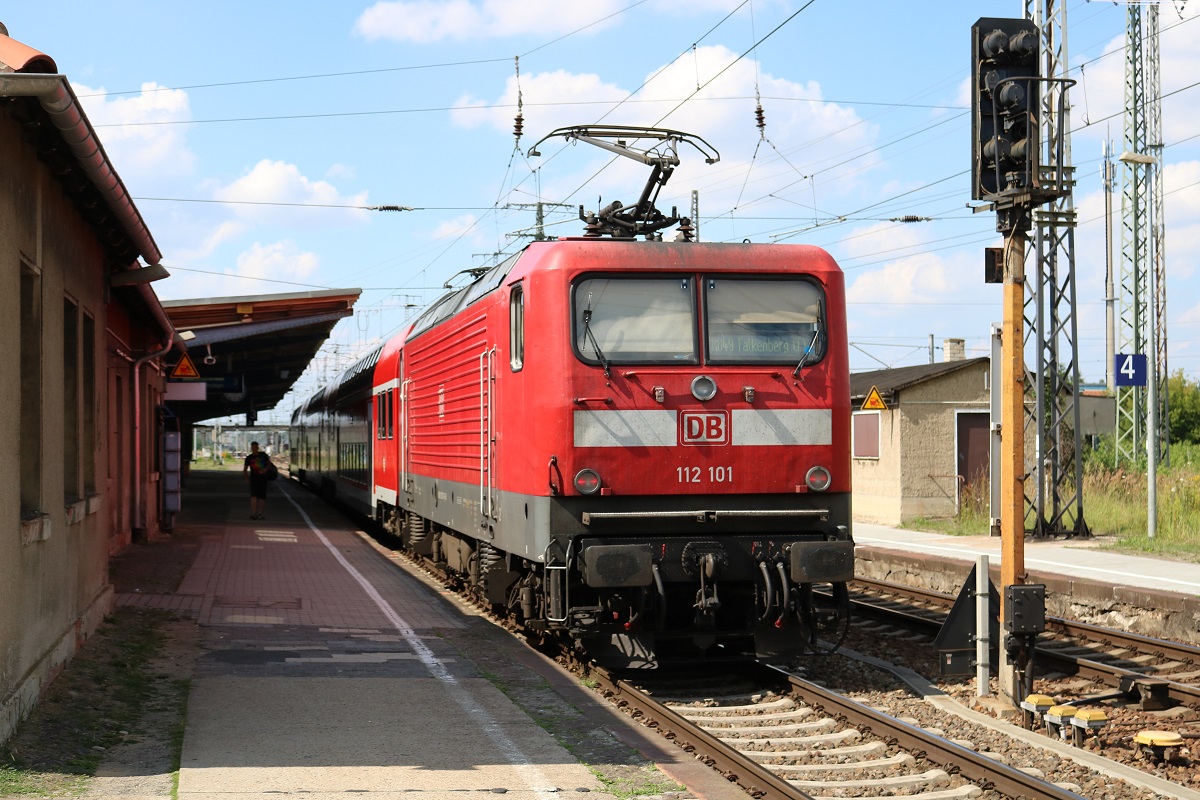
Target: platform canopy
{"x":248,"y":351}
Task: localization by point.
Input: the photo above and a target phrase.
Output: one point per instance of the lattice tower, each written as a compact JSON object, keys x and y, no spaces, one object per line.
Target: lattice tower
{"x":1141,"y":290}
{"x":1053,"y":493}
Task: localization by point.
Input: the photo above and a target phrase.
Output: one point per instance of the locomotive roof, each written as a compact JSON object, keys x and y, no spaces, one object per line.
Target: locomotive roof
{"x":454,"y":301}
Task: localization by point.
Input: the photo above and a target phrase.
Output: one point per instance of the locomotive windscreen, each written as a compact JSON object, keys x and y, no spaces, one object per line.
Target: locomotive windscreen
{"x":636,"y":320}
{"x":654,"y":320}
{"x":763,"y":321}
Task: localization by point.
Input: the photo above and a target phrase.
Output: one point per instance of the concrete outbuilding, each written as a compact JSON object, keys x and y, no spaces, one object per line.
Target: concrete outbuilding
{"x":921,"y":442}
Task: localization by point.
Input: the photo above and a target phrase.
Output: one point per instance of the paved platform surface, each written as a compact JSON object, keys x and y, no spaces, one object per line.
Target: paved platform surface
{"x":328,"y":671}
{"x":1070,"y":558}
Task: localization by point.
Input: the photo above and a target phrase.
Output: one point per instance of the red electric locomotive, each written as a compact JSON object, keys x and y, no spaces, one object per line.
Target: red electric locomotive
{"x":644,"y":445}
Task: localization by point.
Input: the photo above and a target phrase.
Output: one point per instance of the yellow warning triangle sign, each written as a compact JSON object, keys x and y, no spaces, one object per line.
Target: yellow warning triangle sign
{"x":874,"y":402}
{"x":185,"y":368}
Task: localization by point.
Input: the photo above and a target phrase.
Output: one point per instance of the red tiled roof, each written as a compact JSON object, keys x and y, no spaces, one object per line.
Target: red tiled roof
{"x":17,"y":57}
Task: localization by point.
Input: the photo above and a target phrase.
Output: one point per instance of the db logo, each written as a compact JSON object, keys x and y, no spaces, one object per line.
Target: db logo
{"x":710,"y":427}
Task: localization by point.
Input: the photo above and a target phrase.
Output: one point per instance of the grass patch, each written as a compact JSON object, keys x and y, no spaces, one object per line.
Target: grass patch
{"x":1114,"y":505}
{"x":96,"y":704}
{"x":644,"y":781}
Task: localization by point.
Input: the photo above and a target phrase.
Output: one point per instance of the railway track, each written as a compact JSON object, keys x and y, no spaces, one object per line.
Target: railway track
{"x":781,"y":737}
{"x":1159,"y":672}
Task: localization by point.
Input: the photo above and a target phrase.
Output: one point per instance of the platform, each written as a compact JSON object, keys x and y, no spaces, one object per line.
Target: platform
{"x":331,"y":669}
{"x":1071,"y":559}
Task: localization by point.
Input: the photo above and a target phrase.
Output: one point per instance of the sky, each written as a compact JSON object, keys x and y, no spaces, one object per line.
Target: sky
{"x":253,"y":137}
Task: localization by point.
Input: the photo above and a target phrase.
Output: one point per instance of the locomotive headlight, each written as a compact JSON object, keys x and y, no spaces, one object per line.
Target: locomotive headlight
{"x":587,"y":481}
{"x":818,"y":479}
{"x":704,"y":388}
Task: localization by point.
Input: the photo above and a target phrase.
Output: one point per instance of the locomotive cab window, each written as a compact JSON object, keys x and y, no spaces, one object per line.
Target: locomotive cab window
{"x":763,"y":321}
{"x":635,"y":320}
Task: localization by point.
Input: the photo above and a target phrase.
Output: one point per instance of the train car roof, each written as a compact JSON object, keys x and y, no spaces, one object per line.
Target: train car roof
{"x":451,"y":302}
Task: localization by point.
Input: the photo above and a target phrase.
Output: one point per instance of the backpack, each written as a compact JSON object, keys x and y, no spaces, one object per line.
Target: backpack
{"x":272,"y":470}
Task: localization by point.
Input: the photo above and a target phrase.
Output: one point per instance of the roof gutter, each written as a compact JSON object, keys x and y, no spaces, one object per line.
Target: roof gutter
{"x":56,"y":96}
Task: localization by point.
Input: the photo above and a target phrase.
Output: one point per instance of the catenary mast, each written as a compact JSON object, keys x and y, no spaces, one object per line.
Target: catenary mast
{"x":1053,"y":492}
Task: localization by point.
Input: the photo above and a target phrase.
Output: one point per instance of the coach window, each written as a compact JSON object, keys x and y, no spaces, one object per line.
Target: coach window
{"x":391,"y":411}
{"x":635,"y":320}
{"x":516,"y":328}
{"x":763,"y":321}
{"x":865,"y":435}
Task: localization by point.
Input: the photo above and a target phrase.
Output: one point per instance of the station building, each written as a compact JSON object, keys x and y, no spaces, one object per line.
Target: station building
{"x":80,"y":376}
{"x":94,"y":446}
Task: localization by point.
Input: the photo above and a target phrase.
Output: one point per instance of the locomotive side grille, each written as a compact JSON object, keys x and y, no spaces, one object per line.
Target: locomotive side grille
{"x":445,"y":421}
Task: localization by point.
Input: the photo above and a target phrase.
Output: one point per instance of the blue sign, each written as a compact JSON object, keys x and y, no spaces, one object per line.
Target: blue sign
{"x":1129,"y":369}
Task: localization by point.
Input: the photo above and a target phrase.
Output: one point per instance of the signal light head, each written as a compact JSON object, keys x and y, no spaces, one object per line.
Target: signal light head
{"x":587,"y":481}
{"x":1011,"y":96}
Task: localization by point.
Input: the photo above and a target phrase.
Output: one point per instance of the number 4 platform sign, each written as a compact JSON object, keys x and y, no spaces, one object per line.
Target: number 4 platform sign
{"x":1129,"y":369}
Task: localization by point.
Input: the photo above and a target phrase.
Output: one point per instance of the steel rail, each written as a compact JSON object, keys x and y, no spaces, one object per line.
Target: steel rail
{"x":756,"y":779}
{"x":1112,"y":675}
{"x":977,"y":768}
{"x":760,"y":782}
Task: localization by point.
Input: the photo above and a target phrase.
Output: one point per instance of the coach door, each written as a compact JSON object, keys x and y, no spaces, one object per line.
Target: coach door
{"x":404,"y":480}
{"x":487,"y":434}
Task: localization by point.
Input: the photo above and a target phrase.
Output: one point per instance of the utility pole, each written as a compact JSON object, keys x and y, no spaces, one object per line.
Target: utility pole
{"x":696,"y":214}
{"x":1012,"y":436}
{"x":1110,"y":297}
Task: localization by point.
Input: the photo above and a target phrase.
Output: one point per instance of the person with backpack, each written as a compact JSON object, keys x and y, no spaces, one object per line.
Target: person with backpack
{"x":258,"y":470}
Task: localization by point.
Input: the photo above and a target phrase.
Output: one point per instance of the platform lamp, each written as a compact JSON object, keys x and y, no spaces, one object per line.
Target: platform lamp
{"x":1152,"y":357}
{"x":140,"y":275}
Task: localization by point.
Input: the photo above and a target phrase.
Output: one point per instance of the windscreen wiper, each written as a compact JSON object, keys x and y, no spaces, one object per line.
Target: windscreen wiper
{"x":591,"y":337}
{"x":808,"y":350}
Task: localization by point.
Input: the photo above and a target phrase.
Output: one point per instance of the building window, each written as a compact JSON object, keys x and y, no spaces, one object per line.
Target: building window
{"x":70,"y":417}
{"x":516,"y":332}
{"x":866,"y":434}
{"x":31,"y":390}
{"x":90,"y":446}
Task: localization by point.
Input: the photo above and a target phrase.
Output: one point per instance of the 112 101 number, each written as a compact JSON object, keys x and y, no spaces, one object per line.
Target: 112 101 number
{"x":697,"y":474}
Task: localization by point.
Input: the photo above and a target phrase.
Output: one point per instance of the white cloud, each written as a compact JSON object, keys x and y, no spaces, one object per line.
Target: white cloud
{"x":438,"y":20}
{"x":142,"y":153}
{"x":1100,"y":93}
{"x":279,"y":261}
{"x":921,"y":277}
{"x":282,"y":184}
{"x":224,"y":232}
{"x":810,"y":133}
{"x":451,"y":228}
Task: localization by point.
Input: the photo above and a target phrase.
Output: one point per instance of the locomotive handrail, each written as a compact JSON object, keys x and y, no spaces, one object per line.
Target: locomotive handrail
{"x":703,"y":515}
